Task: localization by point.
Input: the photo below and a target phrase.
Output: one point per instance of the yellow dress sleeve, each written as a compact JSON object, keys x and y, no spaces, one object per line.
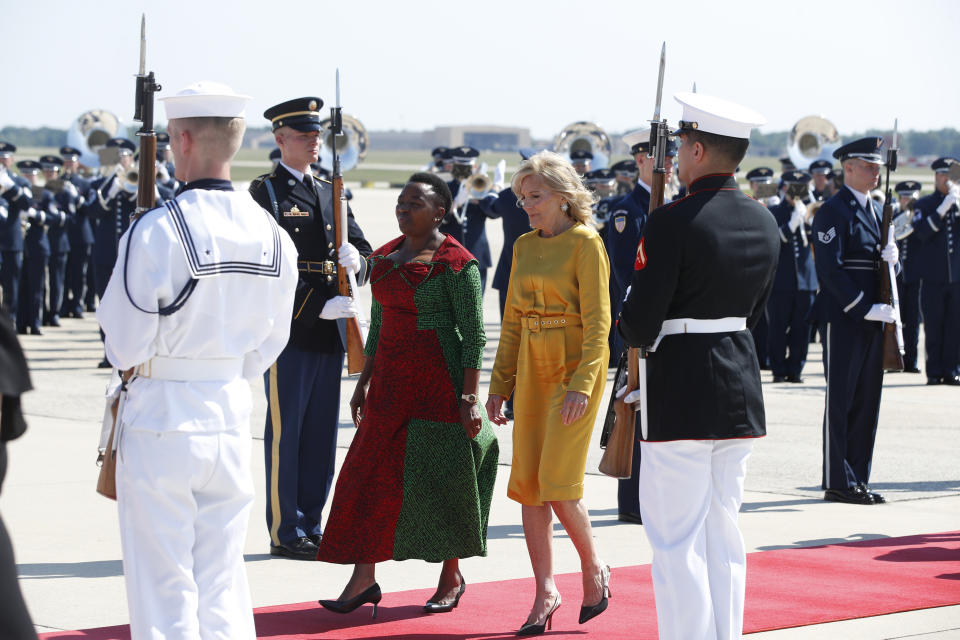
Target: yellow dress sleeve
{"x":593,"y":278}
{"x":503,"y":378}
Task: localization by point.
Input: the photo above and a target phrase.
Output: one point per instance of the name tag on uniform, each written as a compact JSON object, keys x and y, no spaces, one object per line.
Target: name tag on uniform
{"x":295,"y":213}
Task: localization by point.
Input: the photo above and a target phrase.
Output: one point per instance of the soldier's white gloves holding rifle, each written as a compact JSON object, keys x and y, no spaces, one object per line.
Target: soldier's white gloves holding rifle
{"x":881,"y":313}
{"x":339,"y":307}
{"x":349,"y":257}
{"x":890,"y":254}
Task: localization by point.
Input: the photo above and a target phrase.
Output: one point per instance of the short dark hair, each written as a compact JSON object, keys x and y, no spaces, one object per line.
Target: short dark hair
{"x":731,"y":149}
{"x":439,"y":187}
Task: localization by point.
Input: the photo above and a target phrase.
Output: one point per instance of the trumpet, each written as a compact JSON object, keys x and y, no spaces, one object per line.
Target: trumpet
{"x":479,"y":185}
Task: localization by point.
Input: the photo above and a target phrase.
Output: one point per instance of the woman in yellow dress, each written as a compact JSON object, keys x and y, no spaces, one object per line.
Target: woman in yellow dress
{"x":553,"y":356}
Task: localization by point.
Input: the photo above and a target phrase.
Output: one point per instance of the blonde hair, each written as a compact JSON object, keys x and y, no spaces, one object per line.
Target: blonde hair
{"x":560,"y":177}
{"x":220,"y":137}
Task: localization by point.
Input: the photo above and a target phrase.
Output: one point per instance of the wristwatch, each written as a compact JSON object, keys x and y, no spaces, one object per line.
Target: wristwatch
{"x":470,"y":397}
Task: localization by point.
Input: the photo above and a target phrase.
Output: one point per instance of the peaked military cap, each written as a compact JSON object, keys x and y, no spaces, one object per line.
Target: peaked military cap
{"x":275,"y":154}
{"x":28,"y":166}
{"x":163,"y":140}
{"x":821,"y":166}
{"x":7,"y":149}
{"x":786,"y":164}
{"x":625,"y":166}
{"x":464,"y":155}
{"x":796,"y":177}
{"x":579,"y":155}
{"x":438,"y":151}
{"x":942,"y":165}
{"x":639,"y":142}
{"x":907,"y":187}
{"x":50,"y":162}
{"x":302,"y":114}
{"x":122,"y":143}
{"x":760,"y":174}
{"x":600,"y":175}
{"x":70,"y":153}
{"x":716,"y":115}
{"x":867,"y":149}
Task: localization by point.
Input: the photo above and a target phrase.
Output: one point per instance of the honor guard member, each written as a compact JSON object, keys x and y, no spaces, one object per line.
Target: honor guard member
{"x":581,"y":159}
{"x":79,"y":234}
{"x":455,"y":221}
{"x":58,"y":225}
{"x":703,"y":273}
{"x":197,"y":307}
{"x":761,"y":332}
{"x":908,"y":280}
{"x":36,"y":250}
{"x":626,"y":172}
{"x":936,"y":222}
{"x":848,"y":257}
{"x":437,"y":165}
{"x":822,"y":172}
{"x":795,"y":284}
{"x":760,"y":176}
{"x":467,"y":201}
{"x":303,"y":386}
{"x":16,"y":191}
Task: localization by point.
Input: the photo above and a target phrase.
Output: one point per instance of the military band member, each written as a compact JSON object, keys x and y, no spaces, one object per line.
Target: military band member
{"x":626,"y":172}
{"x":166,"y":172}
{"x":15,"y":190}
{"x":760,"y":331}
{"x":65,"y":197}
{"x":795,"y":284}
{"x":437,"y":166}
{"x":466,"y":211}
{"x":36,"y":250}
{"x":303,"y":386}
{"x":79,"y":234}
{"x":908,"y":280}
{"x":822,"y":172}
{"x":582,"y":161}
{"x":848,"y":257}
{"x":195,"y":331}
{"x":936,"y":221}
{"x":703,"y":272}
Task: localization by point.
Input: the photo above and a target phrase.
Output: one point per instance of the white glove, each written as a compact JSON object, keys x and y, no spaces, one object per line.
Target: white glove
{"x":499,"y":175}
{"x":339,"y":307}
{"x":890,"y":253}
{"x":113,"y":188}
{"x":633,"y":396}
{"x":463,"y":196}
{"x":948,"y":202}
{"x":349,"y":257}
{"x":3,"y":213}
{"x":6,"y":182}
{"x":626,"y":294}
{"x":796,"y":216}
{"x":162,"y":173}
{"x":881,"y":313}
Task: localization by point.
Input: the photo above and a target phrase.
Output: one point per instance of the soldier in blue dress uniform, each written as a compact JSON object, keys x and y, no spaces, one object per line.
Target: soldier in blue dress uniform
{"x":15,"y":190}
{"x":760,"y":331}
{"x":455,"y":222}
{"x":79,"y":233}
{"x":908,"y":280}
{"x":36,"y":251}
{"x":822,"y":172}
{"x":64,"y":197}
{"x":936,"y":222}
{"x":795,"y":285}
{"x":303,"y":386}
{"x":473,"y":218}
{"x":848,"y":259}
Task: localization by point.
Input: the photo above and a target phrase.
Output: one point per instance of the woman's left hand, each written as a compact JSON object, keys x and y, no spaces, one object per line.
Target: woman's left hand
{"x":470,"y":418}
{"x":574,"y":406}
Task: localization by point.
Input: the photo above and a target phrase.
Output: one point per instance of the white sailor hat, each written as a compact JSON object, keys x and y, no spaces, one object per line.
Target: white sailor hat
{"x":205,"y":99}
{"x":716,"y":115}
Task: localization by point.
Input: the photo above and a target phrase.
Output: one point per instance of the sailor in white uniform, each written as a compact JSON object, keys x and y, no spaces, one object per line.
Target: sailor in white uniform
{"x":199,"y":303}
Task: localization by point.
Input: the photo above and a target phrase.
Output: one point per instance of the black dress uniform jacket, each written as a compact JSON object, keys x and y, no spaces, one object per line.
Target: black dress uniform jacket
{"x":308,"y":217}
{"x":712,"y":254}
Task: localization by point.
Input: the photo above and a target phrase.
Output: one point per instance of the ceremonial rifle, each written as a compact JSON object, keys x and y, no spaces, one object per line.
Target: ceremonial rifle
{"x":146,"y":86}
{"x":617,"y":459}
{"x":892,"y":333}
{"x":346,"y":280}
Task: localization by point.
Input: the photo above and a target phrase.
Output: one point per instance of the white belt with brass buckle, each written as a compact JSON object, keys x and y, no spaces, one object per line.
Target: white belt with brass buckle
{"x":190,"y":369}
{"x":673,"y":327}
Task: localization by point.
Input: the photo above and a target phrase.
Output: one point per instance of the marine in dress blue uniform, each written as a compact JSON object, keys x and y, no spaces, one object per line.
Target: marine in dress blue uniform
{"x":303,"y":386}
{"x":36,"y":251}
{"x":936,"y":222}
{"x":848,"y":260}
{"x":908,"y":280}
{"x":16,"y":191}
{"x":795,"y":285}
{"x":79,"y":233}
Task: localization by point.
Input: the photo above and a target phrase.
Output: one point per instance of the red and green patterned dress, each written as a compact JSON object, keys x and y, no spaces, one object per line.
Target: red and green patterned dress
{"x":413,"y":485}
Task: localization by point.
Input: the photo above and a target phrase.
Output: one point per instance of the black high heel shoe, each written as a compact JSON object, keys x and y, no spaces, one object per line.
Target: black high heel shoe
{"x":436,"y":607}
{"x":587,"y":613}
{"x":371,"y":594}
{"x":533,"y":629}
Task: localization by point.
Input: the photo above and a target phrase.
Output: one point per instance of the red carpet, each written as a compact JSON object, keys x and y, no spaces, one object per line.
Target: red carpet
{"x":785,"y":588}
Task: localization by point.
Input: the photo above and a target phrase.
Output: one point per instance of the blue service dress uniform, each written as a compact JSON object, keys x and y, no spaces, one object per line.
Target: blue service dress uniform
{"x":939,"y":268}
{"x":908,"y":290}
{"x":36,"y":254}
{"x":58,"y":229}
{"x":80,"y":234}
{"x":847,"y":256}
{"x":475,"y":234}
{"x":515,"y":224}
{"x":451,"y":224}
{"x":19,"y":198}
{"x":303,"y":386}
{"x":794,"y":289}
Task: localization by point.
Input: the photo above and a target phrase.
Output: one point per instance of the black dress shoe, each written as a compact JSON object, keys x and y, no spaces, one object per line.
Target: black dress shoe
{"x":933,"y":381}
{"x":371,"y":594}
{"x":794,"y":379}
{"x":779,"y":378}
{"x":104,"y":364}
{"x":912,"y":370}
{"x":953,"y":381}
{"x":36,"y":331}
{"x":22,"y":331}
{"x":315,"y":538}
{"x":632,"y":518}
{"x":300,"y":549}
{"x":877,"y":498}
{"x":91,"y":308}
{"x":853,"y":495}
{"x":76,"y":314}
{"x":54,"y":321}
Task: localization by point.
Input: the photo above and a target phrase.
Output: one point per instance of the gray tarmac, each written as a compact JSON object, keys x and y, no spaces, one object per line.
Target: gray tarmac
{"x":67,"y":542}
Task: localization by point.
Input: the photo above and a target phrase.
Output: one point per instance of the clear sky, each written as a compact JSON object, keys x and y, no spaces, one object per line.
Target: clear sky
{"x":539,"y":64}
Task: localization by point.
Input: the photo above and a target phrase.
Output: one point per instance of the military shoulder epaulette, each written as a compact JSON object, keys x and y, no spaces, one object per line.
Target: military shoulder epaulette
{"x":260,"y":179}
{"x":319,"y":179}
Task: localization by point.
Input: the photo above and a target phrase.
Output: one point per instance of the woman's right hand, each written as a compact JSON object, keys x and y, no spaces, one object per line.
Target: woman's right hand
{"x":495,"y":409}
{"x":357,"y":402}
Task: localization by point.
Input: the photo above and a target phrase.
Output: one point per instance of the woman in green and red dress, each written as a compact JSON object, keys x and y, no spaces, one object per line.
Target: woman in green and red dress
{"x":418,"y":479}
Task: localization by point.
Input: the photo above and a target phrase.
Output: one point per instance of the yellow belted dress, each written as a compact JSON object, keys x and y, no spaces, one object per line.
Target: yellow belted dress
{"x":553,"y":340}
